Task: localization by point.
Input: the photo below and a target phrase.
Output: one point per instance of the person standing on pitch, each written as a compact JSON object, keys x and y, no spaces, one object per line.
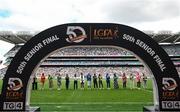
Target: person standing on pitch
{"x":144,"y":77}
{"x":138,"y":80}
{"x":67,"y":81}
{"x":43,"y":78}
{"x":82,"y":81}
{"x":108,"y":81}
{"x":100,"y":81}
{"x":75,"y":82}
{"x":124,"y":80}
{"x":50,"y":78}
{"x":89,"y":80}
{"x":95,"y":81}
{"x":59,"y":83}
{"x":116,"y":86}
{"x":131,"y":78}
{"x":34,"y":83}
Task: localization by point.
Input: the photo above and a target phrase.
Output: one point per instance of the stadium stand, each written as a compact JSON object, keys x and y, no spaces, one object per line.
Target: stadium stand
{"x":161,"y":35}
{"x":171,"y":39}
{"x":13,"y":51}
{"x":85,"y":70}
{"x":103,"y":58}
{"x":2,"y":72}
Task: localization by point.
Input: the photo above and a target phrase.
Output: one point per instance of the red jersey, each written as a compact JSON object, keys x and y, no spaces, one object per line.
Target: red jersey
{"x":43,"y":78}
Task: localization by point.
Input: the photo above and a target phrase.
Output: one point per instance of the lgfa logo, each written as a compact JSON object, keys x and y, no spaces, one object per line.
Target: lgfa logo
{"x":76,"y":34}
{"x":169,"y":84}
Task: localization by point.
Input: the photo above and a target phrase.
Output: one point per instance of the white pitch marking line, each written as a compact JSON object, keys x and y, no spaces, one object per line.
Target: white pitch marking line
{"x":87,"y":103}
{"x":147,"y":90}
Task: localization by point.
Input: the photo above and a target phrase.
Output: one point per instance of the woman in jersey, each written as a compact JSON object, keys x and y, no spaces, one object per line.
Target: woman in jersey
{"x":67,"y":81}
{"x":59,"y":81}
{"x":43,"y":79}
{"x":34,"y":83}
{"x":144,"y":77}
{"x":82,"y":81}
{"x":75,"y":82}
{"x":124,"y":80}
{"x":89,"y":80}
{"x":100,"y":81}
{"x":138,"y":80}
{"x":116,"y":86}
{"x":131,"y":78}
{"x":108,"y":79}
{"x":95,"y":81}
{"x":50,"y":78}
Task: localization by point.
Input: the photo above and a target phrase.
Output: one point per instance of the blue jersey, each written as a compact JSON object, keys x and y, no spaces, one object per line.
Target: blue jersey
{"x":107,"y":77}
{"x":88,"y":77}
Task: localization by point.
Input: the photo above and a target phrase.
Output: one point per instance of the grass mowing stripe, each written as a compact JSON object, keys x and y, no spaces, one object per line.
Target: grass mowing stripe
{"x":91,"y":100}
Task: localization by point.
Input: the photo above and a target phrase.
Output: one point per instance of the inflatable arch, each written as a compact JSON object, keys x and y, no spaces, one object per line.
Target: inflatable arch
{"x":167,"y":81}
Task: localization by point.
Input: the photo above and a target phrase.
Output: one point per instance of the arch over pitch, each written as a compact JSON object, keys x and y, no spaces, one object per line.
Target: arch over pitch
{"x":15,"y":83}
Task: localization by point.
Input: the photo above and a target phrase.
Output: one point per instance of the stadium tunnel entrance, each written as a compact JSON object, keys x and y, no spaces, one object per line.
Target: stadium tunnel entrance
{"x":14,"y":91}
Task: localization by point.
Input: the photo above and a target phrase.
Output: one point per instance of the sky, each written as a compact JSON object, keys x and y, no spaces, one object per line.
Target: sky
{"x":37,"y":15}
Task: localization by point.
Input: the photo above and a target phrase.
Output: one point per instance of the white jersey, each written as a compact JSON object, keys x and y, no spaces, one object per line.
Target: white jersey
{"x":75,"y":78}
{"x":82,"y":78}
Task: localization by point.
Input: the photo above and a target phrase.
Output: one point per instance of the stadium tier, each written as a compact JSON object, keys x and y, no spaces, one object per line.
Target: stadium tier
{"x":102,"y":57}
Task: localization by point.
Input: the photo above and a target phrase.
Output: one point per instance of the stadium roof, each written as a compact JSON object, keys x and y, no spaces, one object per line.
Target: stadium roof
{"x":22,"y":37}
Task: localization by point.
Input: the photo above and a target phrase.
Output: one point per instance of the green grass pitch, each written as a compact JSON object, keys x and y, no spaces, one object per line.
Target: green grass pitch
{"x":88,"y":100}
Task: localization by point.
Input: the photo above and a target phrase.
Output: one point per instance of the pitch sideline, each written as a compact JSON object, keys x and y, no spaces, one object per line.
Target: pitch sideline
{"x":88,"y":103}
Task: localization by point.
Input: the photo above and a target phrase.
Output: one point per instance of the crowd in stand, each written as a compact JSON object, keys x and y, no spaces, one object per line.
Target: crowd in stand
{"x":103,"y":70}
{"x":109,"y":51}
{"x":71,"y":70}
{"x":90,"y":51}
{"x":103,"y":62}
{"x":96,"y":51}
{"x":172,"y":50}
{"x":93,"y":51}
{"x":94,"y":80}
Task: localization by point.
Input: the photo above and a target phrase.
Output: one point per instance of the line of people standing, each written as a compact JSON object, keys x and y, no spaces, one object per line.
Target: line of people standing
{"x":96,"y":79}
